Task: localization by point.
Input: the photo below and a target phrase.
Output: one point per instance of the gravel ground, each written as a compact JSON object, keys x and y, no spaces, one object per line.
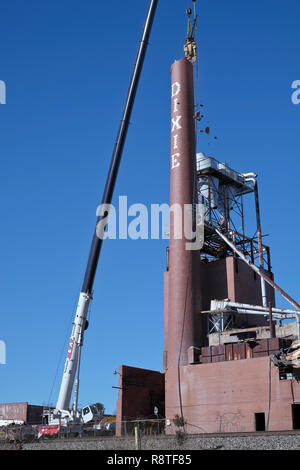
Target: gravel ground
{"x":275,"y":442}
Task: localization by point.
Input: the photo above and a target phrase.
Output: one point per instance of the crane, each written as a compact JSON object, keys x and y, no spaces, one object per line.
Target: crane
{"x":63,"y":415}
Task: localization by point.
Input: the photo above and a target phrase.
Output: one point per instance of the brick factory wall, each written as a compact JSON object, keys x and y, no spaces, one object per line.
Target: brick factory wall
{"x":140,"y":390}
{"x":223,"y":396}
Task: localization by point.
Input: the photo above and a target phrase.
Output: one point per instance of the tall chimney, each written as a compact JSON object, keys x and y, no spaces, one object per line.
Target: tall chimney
{"x":181,"y":294}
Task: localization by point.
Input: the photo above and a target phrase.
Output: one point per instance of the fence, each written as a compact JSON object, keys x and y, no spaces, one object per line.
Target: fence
{"x":146,"y":427}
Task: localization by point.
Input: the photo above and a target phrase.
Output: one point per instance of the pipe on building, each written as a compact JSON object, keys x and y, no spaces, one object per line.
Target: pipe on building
{"x":298,"y":324}
{"x":253,"y":177}
{"x":271,"y":324}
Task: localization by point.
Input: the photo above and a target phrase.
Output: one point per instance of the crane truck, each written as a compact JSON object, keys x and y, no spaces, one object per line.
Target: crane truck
{"x":63,"y":418}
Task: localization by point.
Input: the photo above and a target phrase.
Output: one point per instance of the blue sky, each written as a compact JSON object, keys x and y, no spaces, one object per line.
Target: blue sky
{"x":67,"y":66}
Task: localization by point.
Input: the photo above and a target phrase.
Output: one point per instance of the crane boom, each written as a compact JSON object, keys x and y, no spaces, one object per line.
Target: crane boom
{"x":85,"y":296}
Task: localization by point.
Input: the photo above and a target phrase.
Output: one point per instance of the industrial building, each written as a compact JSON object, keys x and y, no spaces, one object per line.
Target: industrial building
{"x":230,"y":360}
{"x":227,"y":365}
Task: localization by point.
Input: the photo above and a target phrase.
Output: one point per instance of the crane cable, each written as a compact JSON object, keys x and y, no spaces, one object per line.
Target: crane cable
{"x":190,"y":51}
{"x":197,"y":104}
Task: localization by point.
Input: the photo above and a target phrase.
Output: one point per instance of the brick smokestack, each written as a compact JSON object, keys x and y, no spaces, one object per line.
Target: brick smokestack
{"x":181,"y":296}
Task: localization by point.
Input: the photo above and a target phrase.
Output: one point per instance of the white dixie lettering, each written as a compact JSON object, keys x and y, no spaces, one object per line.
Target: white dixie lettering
{"x":176,"y":103}
{"x":175,"y":141}
{"x":175,"y":122}
{"x":174,"y":160}
{"x":176,"y":87}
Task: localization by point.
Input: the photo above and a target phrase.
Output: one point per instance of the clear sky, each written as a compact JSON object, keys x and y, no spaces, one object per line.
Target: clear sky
{"x":67,"y":65}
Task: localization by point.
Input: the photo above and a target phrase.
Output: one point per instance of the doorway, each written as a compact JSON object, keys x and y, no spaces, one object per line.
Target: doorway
{"x":296,"y":416}
{"x":260,"y":421}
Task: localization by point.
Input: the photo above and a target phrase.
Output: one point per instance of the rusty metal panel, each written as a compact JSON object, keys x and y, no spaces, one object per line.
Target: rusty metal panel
{"x":236,"y":351}
{"x":249,"y":352}
{"x":14,"y":411}
{"x":229,"y":352}
{"x":193,"y":355}
{"x":219,"y":358}
{"x":261,"y":346}
{"x":205,"y":359}
{"x":275,"y":344}
{"x":217,"y":350}
{"x":206,"y":351}
{"x":260,"y":353}
{"x":242,"y":350}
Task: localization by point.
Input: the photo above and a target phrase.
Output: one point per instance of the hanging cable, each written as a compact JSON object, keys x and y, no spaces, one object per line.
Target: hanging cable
{"x":269,"y":394}
{"x":191,"y":49}
{"x":180,"y":349}
{"x":197,"y":104}
{"x":194,"y":221}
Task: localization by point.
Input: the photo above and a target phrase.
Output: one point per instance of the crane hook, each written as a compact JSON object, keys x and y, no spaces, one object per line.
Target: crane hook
{"x":190,"y":47}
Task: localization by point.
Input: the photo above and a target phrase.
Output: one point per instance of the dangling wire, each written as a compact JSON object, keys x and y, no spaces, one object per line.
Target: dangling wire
{"x":202,"y":123}
{"x":191,"y":48}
